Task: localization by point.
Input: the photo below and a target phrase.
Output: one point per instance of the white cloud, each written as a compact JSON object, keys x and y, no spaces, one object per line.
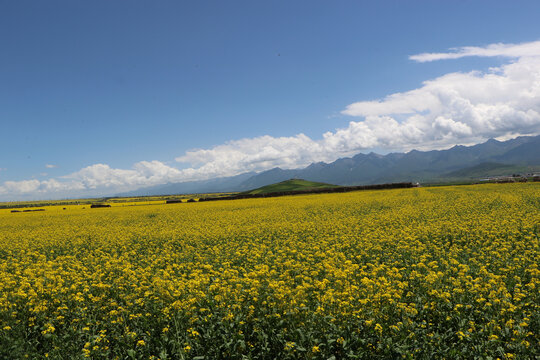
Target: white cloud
{"x":95,"y":178}
{"x":253,"y":154}
{"x":34,"y":186}
{"x":457,"y":108}
{"x":528,"y":49}
{"x":143,"y":173}
{"x":20,"y":186}
{"x":50,"y":166}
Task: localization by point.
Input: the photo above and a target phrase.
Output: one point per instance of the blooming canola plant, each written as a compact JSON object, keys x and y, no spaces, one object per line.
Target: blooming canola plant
{"x":442,"y":272}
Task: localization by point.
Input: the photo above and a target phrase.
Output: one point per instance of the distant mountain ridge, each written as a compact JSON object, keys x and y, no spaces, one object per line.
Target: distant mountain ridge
{"x":364,"y":169}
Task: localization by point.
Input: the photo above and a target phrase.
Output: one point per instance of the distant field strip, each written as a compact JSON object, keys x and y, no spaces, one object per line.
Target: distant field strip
{"x":429,"y":273}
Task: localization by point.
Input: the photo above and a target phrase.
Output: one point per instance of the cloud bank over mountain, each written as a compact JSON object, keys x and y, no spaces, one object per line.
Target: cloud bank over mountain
{"x":456,"y":108}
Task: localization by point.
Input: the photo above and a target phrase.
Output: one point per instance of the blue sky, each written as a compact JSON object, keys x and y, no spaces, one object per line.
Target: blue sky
{"x":102,"y":96}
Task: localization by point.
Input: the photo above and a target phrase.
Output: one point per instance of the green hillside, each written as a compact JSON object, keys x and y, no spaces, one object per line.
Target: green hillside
{"x":290,"y":185}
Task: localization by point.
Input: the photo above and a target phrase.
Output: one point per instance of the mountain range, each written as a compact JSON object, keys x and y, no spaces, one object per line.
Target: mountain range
{"x":493,"y":157}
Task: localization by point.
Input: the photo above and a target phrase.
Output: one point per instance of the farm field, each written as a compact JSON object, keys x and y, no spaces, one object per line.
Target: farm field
{"x":113,"y":201}
{"x":420,"y":273}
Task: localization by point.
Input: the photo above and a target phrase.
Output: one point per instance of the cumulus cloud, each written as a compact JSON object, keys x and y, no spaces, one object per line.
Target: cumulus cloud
{"x":50,"y":166}
{"x":462,"y":108}
{"x":143,"y":173}
{"x":35,"y":187}
{"x":457,"y":108}
{"x":95,"y":178}
{"x":21,"y":186}
{"x":252,"y":154}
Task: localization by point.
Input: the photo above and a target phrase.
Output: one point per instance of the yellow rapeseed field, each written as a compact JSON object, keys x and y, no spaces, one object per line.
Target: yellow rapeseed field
{"x":430,"y":273}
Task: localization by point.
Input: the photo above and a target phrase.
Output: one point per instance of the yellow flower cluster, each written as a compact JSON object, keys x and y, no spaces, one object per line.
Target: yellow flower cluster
{"x":442,"y":272}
